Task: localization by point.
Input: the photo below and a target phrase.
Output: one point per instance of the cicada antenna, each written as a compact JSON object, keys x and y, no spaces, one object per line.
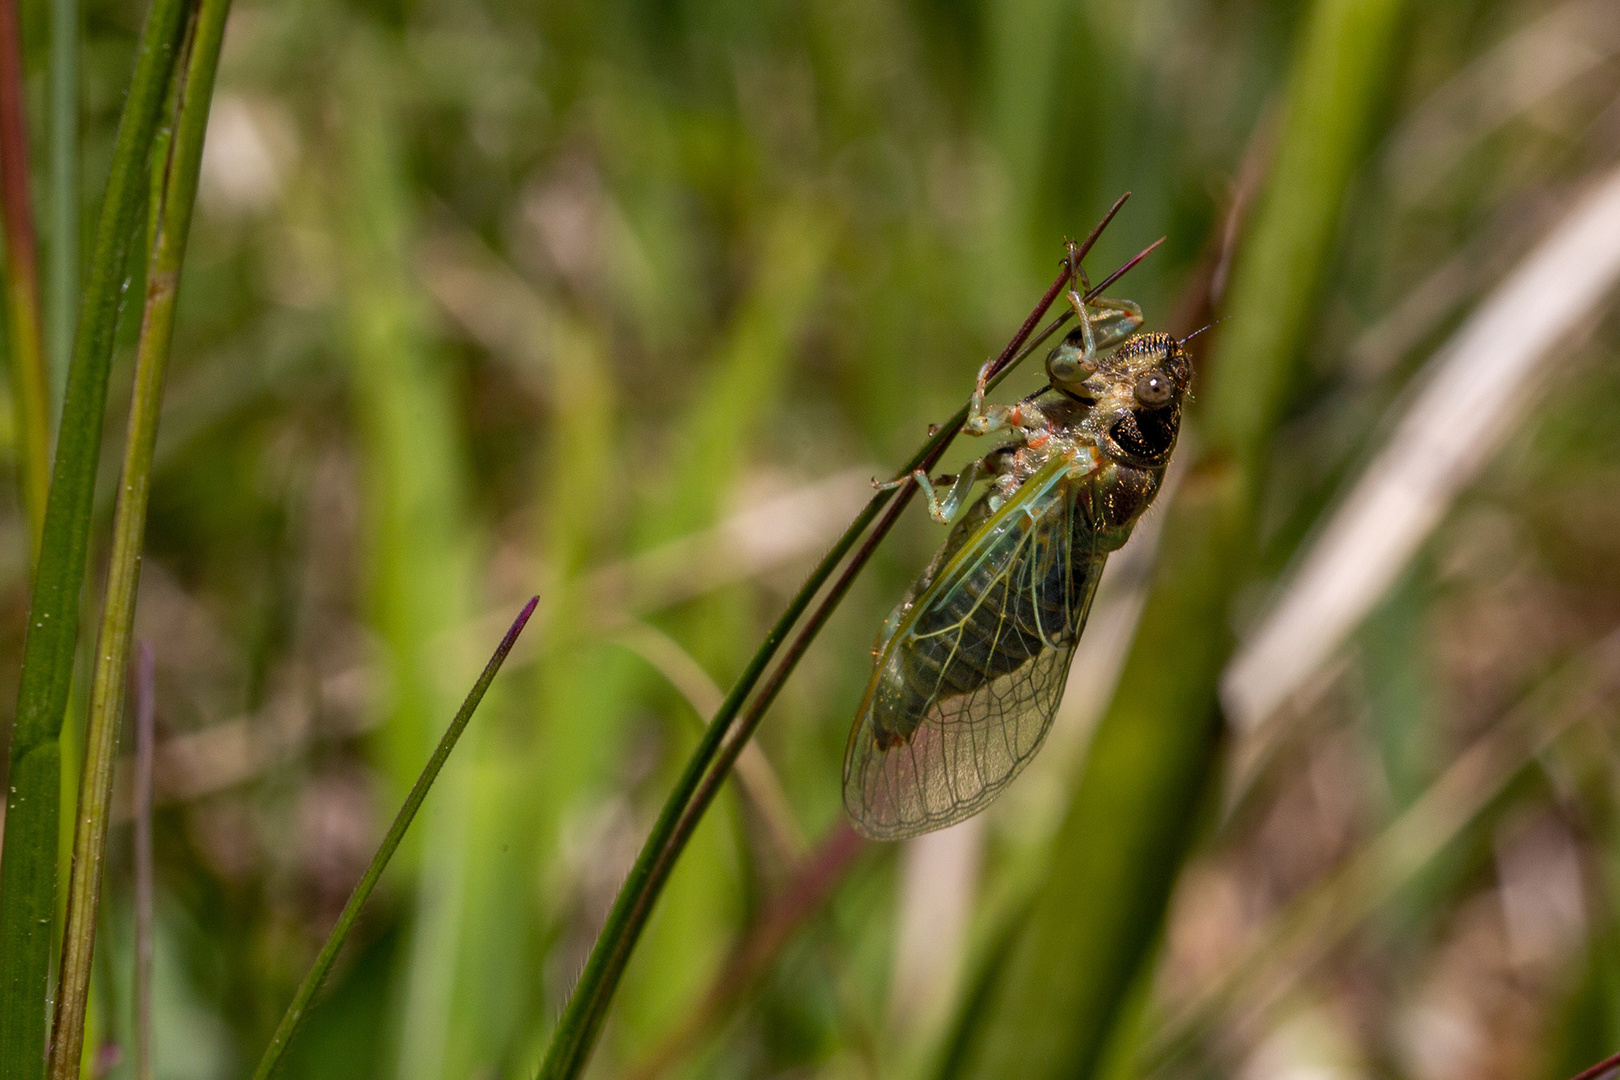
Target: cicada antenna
{"x":1207,"y":326}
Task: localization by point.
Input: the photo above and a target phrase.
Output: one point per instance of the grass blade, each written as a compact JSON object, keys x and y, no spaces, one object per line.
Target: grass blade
{"x":29,"y":385}
{"x":587,"y":1007}
{"x":1052,"y":1005}
{"x":1476,"y":389}
{"x":756,"y":777}
{"x":814,"y":879}
{"x":28,"y":881}
{"x":419,"y":549}
{"x":176,"y":159}
{"x":727,"y":734}
{"x":396,"y":832}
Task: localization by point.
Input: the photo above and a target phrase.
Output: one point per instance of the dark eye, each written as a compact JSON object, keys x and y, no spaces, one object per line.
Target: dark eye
{"x":1153,"y":389}
{"x":1147,"y":435}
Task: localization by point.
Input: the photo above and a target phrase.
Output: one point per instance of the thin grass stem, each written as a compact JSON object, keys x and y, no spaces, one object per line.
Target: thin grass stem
{"x":175,"y":161}
{"x":814,"y":879}
{"x":1601,"y":1068}
{"x":723,"y":741}
{"x":294,"y":1015}
{"x":33,"y":795}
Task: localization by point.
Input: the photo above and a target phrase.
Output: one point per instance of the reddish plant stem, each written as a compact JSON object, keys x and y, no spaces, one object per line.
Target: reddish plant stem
{"x":1592,"y":1072}
{"x":26,"y":356}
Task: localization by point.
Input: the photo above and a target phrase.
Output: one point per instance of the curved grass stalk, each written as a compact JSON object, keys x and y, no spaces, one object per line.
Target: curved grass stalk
{"x":587,"y":1008}
{"x":760,"y":784}
{"x":294,"y":1015}
{"x":813,"y":881}
{"x":1601,"y":1068}
{"x":28,"y":884}
{"x":176,"y":159}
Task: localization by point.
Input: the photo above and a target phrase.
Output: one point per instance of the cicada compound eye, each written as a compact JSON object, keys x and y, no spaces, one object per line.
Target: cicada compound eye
{"x":1154,"y":389}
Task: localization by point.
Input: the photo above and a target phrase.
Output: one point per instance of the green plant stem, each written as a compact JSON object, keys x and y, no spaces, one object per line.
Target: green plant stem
{"x":379,"y":862}
{"x":724,"y":738}
{"x":62,"y":255}
{"x":814,"y":879}
{"x":30,"y":387}
{"x":587,"y":1007}
{"x":28,"y":876}
{"x":175,"y":161}
{"x":1056,"y":999}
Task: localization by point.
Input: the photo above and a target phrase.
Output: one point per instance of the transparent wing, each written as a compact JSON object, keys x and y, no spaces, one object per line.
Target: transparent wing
{"x":966,"y":687}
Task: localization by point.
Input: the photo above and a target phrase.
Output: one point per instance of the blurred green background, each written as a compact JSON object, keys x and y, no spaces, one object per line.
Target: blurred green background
{"x":623,"y":303}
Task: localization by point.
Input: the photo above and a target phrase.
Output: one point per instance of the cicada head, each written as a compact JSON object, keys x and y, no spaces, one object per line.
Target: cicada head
{"x":1141,"y":386}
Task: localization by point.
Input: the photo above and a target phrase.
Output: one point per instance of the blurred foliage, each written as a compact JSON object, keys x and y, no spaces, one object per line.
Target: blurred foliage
{"x":492,"y":298}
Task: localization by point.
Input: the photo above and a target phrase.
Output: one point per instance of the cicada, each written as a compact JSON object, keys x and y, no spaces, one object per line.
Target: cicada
{"x":971,"y":665}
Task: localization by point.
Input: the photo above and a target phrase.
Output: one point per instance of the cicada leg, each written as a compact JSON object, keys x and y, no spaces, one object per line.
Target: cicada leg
{"x":1104,"y":324}
{"x":1079,"y":286}
{"x":1112,"y":321}
{"x":984,"y":419}
{"x":943,"y":507}
{"x":1104,"y":321}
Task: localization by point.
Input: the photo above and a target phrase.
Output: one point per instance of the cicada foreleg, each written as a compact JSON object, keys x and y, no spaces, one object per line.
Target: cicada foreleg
{"x":1112,"y":321}
{"x":1104,"y":323}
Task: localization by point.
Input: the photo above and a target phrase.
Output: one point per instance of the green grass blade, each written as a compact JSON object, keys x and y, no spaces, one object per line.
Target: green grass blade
{"x":176,"y":160}
{"x":144,"y":679}
{"x":587,"y":1008}
{"x":28,"y":880}
{"x":396,"y":832}
{"x":745,"y":383}
{"x":1059,"y":991}
{"x":419,"y":546}
{"x":62,"y":256}
{"x":29,"y":385}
